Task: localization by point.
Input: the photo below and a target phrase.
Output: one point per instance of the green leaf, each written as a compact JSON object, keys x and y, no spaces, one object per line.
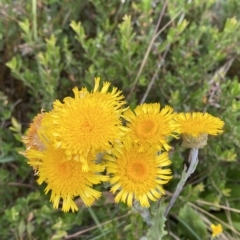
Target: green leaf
{"x":181,"y":26}
{"x":79,"y":30}
{"x":193,"y":224}
{"x":146,"y":6}
{"x":12,"y":64}
{"x":21,"y":228}
{"x":6,"y":159}
{"x":234,"y":187}
{"x":157,"y":231}
{"x":16,"y":126}
{"x":25,"y":26}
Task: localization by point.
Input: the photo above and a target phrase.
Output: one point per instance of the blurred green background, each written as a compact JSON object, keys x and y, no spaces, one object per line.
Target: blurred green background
{"x":182,"y":53}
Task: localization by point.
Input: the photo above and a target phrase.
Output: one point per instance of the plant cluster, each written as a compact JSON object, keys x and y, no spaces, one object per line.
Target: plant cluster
{"x":63,"y":147}
{"x":179,"y":53}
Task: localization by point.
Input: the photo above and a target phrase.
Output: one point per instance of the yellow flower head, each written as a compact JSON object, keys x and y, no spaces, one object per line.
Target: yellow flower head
{"x":65,"y":179}
{"x":88,"y":123}
{"x":151,"y":126}
{"x":197,"y":123}
{"x":216,"y":229}
{"x":32,"y":139}
{"x":196,"y":126}
{"x":138,"y":175}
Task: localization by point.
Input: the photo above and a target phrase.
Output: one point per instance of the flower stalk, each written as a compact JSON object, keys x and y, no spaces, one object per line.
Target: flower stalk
{"x":185,"y":175}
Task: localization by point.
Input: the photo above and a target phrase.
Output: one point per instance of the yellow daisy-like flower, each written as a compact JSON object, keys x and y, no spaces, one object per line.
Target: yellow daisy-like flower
{"x":196,"y":126}
{"x":65,"y":179}
{"x":197,"y":123}
{"x":137,"y":175}
{"x":216,"y":229}
{"x":32,"y":139}
{"x":88,"y":123}
{"x":151,"y":126}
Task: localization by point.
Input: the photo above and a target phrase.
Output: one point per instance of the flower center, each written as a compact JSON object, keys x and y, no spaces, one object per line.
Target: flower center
{"x":65,"y":169}
{"x":88,"y":126}
{"x":137,"y":171}
{"x":146,"y":127}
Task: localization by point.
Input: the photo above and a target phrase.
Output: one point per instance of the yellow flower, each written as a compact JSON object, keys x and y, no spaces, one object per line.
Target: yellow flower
{"x":196,"y":126}
{"x":65,"y":179}
{"x":216,"y":229}
{"x":197,"y":123}
{"x":32,"y":139}
{"x":88,"y":123}
{"x":137,"y":175}
{"x":151,"y":126}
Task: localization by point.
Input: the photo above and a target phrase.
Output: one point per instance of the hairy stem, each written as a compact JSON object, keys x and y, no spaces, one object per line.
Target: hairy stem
{"x":185,"y":175}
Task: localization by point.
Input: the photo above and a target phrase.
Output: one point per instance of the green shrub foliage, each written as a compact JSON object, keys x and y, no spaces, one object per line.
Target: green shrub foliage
{"x":184,"y":53}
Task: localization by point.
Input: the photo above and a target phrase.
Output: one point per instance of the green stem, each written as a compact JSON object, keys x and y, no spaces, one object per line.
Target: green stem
{"x":34,"y":13}
{"x":185,"y":176}
{"x":93,"y":215}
